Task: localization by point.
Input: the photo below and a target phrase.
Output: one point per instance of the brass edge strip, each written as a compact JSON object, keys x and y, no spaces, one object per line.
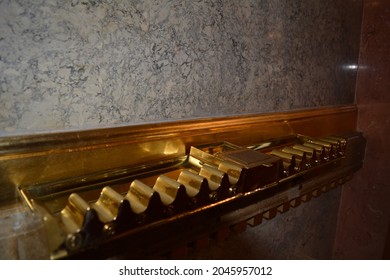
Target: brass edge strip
{"x":115,"y":136}
{"x":30,"y":160}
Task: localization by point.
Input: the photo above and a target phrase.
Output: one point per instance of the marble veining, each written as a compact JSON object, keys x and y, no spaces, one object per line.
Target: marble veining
{"x":89,"y":63}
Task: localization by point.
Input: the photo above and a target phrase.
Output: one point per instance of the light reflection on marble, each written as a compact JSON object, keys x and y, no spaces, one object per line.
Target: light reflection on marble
{"x":85,"y":64}
{"x":363,"y":230}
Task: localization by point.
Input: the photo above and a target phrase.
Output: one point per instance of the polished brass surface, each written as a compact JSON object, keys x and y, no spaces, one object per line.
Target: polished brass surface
{"x":192,"y":181}
{"x":29,"y":160}
{"x":140,"y":196}
{"x":93,"y":216}
{"x":254,"y":165}
{"x":107,"y":185}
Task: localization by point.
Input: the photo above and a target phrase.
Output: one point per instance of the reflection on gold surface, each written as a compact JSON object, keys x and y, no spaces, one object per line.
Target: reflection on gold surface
{"x":27,"y":161}
{"x":96,"y":186}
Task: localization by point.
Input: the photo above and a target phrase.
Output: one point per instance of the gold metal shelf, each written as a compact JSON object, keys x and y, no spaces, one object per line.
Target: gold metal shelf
{"x":110,"y":192}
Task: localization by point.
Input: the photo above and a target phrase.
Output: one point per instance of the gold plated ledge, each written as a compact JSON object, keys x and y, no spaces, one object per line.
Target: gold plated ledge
{"x":102,"y":189}
{"x":30,"y":160}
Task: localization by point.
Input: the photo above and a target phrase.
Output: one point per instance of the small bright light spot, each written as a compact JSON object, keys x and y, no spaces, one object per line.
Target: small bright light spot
{"x":350,"y":67}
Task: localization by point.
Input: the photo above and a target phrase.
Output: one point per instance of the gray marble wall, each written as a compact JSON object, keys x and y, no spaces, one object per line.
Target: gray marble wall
{"x":90,"y":63}
{"x":84,"y":64}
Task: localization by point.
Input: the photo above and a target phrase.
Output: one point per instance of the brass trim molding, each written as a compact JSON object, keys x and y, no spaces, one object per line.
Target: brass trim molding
{"x":29,"y":160}
{"x":96,"y":138}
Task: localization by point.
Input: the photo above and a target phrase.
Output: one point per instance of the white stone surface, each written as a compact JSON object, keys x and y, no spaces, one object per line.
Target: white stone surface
{"x":86,"y":64}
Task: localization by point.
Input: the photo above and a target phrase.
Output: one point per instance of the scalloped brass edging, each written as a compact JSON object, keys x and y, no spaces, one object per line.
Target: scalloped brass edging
{"x":29,"y":160}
